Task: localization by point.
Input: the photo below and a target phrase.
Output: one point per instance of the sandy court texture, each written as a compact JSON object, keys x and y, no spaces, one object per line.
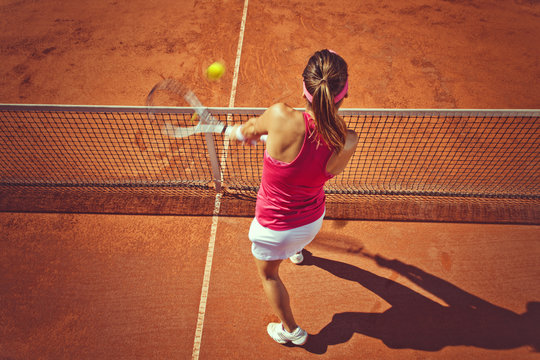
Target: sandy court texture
{"x":94,"y":286}
{"x":407,"y":54}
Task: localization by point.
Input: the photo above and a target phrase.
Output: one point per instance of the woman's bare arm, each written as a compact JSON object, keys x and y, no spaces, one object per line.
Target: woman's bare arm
{"x":338,"y":161}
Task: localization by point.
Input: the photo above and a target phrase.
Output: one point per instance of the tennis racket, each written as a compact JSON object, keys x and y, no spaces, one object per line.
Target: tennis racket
{"x":170,"y":89}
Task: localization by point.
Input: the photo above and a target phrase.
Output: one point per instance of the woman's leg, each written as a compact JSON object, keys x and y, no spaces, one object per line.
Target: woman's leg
{"x":276,"y":292}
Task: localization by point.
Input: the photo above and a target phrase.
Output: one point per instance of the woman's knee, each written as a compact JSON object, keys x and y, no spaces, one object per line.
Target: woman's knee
{"x":268,"y":270}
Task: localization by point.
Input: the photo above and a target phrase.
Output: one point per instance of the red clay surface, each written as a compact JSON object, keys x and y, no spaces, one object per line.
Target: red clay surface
{"x":100,"y":287}
{"x":96,"y":286}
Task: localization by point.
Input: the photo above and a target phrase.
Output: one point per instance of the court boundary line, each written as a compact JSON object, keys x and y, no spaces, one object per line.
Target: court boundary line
{"x":206,"y":280}
{"x":217,"y":204}
{"x":238,"y":54}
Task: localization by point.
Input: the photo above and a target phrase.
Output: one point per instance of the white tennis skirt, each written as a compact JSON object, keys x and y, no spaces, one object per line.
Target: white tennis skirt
{"x":267,"y":244}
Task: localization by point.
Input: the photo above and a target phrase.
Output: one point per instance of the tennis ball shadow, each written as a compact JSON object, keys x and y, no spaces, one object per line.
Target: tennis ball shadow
{"x":338,"y":224}
{"x":338,"y":242}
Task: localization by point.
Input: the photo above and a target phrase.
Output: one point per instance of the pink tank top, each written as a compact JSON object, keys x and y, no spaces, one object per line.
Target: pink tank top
{"x":292,"y":194}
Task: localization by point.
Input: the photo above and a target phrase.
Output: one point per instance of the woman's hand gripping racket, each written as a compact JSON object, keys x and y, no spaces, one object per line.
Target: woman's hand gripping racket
{"x":173,"y":91}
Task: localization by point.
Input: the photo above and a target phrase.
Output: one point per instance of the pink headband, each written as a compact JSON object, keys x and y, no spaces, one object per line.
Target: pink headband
{"x":337,"y":98}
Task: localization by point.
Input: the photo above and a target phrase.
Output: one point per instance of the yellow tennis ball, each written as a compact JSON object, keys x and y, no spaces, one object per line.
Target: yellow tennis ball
{"x":215,"y":71}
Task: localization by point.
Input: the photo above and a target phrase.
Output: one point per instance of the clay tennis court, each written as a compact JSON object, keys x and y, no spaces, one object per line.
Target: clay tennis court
{"x":112,"y":274}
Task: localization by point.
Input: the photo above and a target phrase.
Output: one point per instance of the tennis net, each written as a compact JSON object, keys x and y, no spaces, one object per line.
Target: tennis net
{"x":470,"y":153}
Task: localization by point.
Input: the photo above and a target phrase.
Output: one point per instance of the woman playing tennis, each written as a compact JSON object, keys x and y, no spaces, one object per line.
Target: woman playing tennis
{"x":303,"y":151}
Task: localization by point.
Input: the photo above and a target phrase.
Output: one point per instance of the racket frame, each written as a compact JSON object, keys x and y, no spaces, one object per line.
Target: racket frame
{"x":206,"y":118}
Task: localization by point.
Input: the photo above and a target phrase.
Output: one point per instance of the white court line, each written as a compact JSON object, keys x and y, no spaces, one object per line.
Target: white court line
{"x":238,"y":55}
{"x":206,"y":280}
{"x":217,"y":204}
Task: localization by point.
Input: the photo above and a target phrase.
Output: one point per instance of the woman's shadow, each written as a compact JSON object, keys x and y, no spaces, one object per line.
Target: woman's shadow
{"x":416,"y":322}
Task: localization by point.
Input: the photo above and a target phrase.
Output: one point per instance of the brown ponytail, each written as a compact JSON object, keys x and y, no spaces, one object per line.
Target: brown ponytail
{"x":325,"y":76}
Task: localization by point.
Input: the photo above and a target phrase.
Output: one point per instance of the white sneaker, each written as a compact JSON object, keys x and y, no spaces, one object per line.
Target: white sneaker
{"x":297,"y":258}
{"x":282,"y":336}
